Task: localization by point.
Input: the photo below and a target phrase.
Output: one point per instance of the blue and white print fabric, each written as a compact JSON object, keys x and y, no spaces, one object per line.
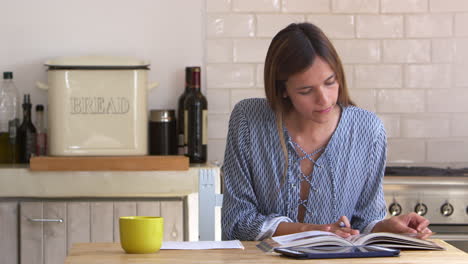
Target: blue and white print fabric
{"x":347,"y":178}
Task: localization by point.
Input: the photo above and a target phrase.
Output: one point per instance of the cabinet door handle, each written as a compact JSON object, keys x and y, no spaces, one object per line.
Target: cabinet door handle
{"x":45,"y":220}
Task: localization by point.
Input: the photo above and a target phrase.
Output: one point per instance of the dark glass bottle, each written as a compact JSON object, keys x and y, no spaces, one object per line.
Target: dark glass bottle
{"x":8,"y":120}
{"x":195,"y":121}
{"x":181,"y":147}
{"x":41,"y":134}
{"x":26,"y":133}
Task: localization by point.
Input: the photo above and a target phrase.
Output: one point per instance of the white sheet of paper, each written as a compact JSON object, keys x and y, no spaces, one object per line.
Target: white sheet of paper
{"x":202,"y":244}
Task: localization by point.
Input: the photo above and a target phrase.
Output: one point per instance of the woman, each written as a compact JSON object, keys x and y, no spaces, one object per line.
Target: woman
{"x":305,"y":158}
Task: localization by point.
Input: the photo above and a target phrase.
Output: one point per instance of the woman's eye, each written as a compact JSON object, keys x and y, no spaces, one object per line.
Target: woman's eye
{"x":308,"y":91}
{"x":330,"y":82}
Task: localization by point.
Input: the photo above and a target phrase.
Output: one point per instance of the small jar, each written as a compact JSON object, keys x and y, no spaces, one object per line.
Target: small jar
{"x":162,"y":132}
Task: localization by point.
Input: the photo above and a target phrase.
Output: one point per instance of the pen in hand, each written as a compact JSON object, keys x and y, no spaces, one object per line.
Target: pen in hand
{"x":344,"y":227}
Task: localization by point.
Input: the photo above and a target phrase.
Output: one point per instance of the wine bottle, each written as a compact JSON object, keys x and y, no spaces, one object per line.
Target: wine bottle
{"x":195,"y":120}
{"x":26,"y":133}
{"x":181,"y":147}
{"x":41,"y":134}
{"x":8,"y":120}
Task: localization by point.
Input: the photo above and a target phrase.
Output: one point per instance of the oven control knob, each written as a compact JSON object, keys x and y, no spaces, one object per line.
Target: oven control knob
{"x":446,"y":209}
{"x":421,"y":209}
{"x":395,"y":209}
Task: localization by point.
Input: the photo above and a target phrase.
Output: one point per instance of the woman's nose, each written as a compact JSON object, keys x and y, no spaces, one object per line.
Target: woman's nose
{"x":321,"y":97}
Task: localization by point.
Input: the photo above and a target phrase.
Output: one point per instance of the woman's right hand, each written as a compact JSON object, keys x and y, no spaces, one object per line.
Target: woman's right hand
{"x":342,"y":228}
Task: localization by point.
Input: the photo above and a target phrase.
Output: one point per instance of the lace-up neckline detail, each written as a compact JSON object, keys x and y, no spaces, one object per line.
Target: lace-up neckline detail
{"x":304,"y":177}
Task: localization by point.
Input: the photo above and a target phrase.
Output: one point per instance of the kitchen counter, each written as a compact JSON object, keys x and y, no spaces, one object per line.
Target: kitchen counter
{"x":19,"y":184}
{"x":110,"y":253}
{"x":22,"y":182}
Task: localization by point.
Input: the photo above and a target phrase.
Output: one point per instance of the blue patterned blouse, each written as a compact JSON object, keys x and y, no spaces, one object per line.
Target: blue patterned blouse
{"x":346,"y":180}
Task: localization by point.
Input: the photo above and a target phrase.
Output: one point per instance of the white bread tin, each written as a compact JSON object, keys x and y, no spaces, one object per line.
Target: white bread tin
{"x":97,"y":106}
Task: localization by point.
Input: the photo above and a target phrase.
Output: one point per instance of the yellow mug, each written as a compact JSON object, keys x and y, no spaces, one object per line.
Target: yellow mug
{"x":141,"y":234}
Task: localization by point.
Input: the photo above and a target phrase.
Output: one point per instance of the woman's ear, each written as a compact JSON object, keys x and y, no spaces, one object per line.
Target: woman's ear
{"x":281,"y":87}
{"x":285,"y":93}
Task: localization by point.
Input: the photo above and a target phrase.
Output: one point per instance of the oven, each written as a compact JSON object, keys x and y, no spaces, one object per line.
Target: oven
{"x":440,"y":195}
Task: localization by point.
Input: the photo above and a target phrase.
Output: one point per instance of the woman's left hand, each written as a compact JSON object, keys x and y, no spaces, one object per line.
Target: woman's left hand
{"x":408,"y":223}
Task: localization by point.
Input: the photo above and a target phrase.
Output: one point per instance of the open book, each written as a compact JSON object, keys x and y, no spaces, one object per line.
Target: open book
{"x":320,"y":238}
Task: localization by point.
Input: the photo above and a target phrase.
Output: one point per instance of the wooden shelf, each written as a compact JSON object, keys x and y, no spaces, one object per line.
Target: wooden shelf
{"x":117,"y":163}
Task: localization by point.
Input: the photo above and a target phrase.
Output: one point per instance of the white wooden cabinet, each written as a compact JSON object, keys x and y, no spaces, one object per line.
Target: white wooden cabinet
{"x":9,"y":232}
{"x":49,"y":228}
{"x":106,"y":195}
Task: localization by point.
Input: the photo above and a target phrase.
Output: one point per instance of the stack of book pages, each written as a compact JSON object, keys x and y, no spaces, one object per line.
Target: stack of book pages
{"x":320,"y":238}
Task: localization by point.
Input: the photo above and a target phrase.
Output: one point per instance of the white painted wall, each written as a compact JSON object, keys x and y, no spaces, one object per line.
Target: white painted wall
{"x":170,"y":34}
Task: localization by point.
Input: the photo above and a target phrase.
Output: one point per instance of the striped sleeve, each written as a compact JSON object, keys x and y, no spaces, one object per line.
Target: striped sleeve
{"x":371,"y":206}
{"x":240,"y":215}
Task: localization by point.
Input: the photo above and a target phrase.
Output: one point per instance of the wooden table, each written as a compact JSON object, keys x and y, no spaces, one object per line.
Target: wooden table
{"x":112,"y":253}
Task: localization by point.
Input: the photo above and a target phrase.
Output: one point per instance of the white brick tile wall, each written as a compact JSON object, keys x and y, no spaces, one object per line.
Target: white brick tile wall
{"x":218,"y":100}
{"x":459,"y":125}
{"x":405,"y":60}
{"x":461,"y":50}
{"x":218,"y":5}
{"x":334,"y":26}
{"x":425,"y":126}
{"x":391,"y":124}
{"x":406,"y":151}
{"x":461,"y":71}
{"x":260,"y":70}
{"x":429,"y":25}
{"x":378,"y":76}
{"x":250,"y":50}
{"x":218,"y":125}
{"x":364,"y":98}
{"x":256,"y":5}
{"x":239,"y":94}
{"x":406,"y":51}
{"x":447,"y":151}
{"x":428,"y":76}
{"x":306,"y":6}
{"x":355,"y":6}
{"x":400,"y":101}
{"x":379,"y":26}
{"x":219,"y":50}
{"x":404,"y":6}
{"x":358,"y":51}
{"x":443,"y":50}
{"x":216,"y":149}
{"x":461,"y":22}
{"x":447,"y":101}
{"x":268,"y":25}
{"x":230,"y":75}
{"x":230,"y":25}
{"x":448,"y":5}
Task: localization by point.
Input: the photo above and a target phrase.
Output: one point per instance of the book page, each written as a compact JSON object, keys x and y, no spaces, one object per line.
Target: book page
{"x":300,"y":236}
{"x":320,"y":238}
{"x":309,"y":238}
{"x":393,"y":240}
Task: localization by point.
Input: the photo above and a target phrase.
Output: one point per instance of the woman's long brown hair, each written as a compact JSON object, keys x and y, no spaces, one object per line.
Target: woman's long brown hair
{"x":293,"y":50}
